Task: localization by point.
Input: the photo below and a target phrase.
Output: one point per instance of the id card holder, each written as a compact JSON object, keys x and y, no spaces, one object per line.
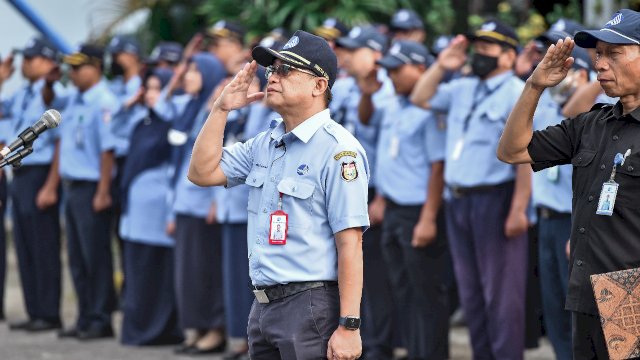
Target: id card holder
{"x":553,"y":173}
{"x":457,"y":149}
{"x":607,"y":198}
{"x":394,"y":147}
{"x":278,"y":225}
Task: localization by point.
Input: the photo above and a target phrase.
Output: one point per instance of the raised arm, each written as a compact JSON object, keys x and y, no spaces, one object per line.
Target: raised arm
{"x":450,"y":59}
{"x":518,"y":130}
{"x":204,"y":167}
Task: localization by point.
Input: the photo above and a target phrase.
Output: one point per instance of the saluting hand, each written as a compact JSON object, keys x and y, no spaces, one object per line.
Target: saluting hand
{"x":369,"y":84}
{"x":554,"y":66}
{"x":235,"y":94}
{"x":6,"y":68}
{"x":455,"y":55}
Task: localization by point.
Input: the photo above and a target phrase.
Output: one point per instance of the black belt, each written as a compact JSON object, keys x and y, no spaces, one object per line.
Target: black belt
{"x":266,"y":294}
{"x":548,"y":213}
{"x":458,"y":192}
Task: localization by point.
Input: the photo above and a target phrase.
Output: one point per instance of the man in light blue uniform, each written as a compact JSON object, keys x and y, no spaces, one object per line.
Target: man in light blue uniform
{"x":34,"y":190}
{"x":552,"y":195}
{"x":410,"y":180}
{"x":309,"y":174}
{"x":86,"y":167}
{"x":487,"y":213}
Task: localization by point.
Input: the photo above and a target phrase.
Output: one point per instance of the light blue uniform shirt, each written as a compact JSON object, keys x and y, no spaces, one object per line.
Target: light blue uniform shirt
{"x":191,"y":199}
{"x":322,"y":172}
{"x":344,"y":106}
{"x":232,"y":202}
{"x":475,"y":163}
{"x":411,"y":139}
{"x":148,"y":208}
{"x":124,"y":91}
{"x":551,"y":187}
{"x":85,"y":133}
{"x":23,"y":110}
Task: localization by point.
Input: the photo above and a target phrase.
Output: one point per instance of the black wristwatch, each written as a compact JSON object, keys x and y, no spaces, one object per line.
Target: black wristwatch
{"x":350,"y":322}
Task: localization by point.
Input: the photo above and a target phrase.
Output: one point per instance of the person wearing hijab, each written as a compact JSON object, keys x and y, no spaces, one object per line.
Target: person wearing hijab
{"x":198,"y":263}
{"x":148,"y":306}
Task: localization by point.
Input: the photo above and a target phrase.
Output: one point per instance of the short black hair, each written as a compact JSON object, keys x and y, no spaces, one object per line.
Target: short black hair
{"x":328,"y":96}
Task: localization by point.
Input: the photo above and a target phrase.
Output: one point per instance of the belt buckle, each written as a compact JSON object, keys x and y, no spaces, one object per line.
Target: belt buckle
{"x":261,"y":296}
{"x":456,"y":192}
{"x":545,"y":213}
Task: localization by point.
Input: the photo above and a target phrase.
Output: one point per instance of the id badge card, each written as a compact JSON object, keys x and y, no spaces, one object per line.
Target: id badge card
{"x":607,"y":198}
{"x":394,"y":147}
{"x":457,"y":149}
{"x":278,"y":228}
{"x":553,"y":174}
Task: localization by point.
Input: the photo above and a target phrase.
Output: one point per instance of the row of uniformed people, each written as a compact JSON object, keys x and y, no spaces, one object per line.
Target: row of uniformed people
{"x":487,"y":203}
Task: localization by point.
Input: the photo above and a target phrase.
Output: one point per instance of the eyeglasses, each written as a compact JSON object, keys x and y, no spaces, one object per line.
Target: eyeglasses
{"x":284,"y":70}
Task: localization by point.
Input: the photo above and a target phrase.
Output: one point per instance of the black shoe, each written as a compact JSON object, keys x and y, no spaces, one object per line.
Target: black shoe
{"x":194,"y":350}
{"x":43,"y":325}
{"x":94,"y":333}
{"x":182,"y":348}
{"x":68,"y":333}
{"x":237,"y":356}
{"x":22,"y":325}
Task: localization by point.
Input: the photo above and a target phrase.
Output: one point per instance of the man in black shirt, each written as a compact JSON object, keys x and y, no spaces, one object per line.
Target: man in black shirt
{"x":595,"y":143}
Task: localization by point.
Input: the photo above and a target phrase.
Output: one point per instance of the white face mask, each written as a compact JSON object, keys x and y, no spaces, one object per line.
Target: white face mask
{"x":565,"y":89}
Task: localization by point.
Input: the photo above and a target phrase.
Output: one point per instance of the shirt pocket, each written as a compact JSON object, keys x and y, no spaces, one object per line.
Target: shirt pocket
{"x":581,"y":167}
{"x":628,"y":176}
{"x":488,"y":127}
{"x":297,"y":201}
{"x":255,"y":180}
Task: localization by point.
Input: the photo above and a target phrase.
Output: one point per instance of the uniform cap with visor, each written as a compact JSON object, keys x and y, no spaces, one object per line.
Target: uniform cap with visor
{"x":622,"y":29}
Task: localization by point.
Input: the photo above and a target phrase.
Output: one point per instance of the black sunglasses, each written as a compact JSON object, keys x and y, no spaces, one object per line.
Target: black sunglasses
{"x":284,"y":70}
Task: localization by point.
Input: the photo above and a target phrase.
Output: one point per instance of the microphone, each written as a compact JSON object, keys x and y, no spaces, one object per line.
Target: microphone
{"x":50,"y":119}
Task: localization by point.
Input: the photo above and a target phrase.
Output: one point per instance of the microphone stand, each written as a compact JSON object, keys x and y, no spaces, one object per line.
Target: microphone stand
{"x":16,"y":158}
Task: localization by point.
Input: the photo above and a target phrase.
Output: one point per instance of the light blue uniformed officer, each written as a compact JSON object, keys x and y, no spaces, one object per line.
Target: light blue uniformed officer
{"x":310,"y":175}
{"x":86,"y":167}
{"x":477,"y":108}
{"x":35,"y":188}
{"x":410,"y":179}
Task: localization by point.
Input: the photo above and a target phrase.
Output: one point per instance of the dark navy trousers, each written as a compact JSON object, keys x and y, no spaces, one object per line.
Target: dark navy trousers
{"x":420,"y":282}
{"x":37,"y":242}
{"x":235,"y":268}
{"x":491,"y":271}
{"x":90,"y":258}
{"x":198,"y":274}
{"x":554,"y":278}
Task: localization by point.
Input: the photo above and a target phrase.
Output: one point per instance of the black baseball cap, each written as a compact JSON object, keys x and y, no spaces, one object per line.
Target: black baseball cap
{"x":303,"y":50}
{"x":622,"y":29}
{"x":168,"y":51}
{"x":86,"y":54}
{"x":405,"y":52}
{"x":560,"y":30}
{"x":124,"y":44}
{"x":364,"y":36}
{"x":331,"y":29}
{"x":40,"y":47}
{"x":497,"y":32}
{"x":406,"y":19}
{"x":227,"y":29}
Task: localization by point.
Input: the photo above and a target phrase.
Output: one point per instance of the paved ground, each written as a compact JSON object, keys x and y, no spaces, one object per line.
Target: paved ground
{"x":22,"y":346}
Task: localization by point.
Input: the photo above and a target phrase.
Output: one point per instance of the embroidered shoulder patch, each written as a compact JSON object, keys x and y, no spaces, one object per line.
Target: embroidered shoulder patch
{"x":342,"y":154}
{"x":349,"y":171}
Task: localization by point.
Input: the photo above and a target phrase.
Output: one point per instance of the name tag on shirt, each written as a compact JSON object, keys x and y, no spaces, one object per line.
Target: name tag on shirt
{"x":607,"y":198}
{"x":553,"y":174}
{"x":394,"y":147}
{"x":457,"y":149}
{"x":278,"y":228}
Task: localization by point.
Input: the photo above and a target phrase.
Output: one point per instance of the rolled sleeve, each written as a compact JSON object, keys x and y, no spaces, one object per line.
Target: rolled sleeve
{"x":345,"y":195}
{"x":553,"y":145}
{"x":236,"y":162}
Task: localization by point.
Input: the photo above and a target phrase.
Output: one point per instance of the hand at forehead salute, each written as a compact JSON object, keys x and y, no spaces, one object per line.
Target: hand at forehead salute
{"x":555,"y":65}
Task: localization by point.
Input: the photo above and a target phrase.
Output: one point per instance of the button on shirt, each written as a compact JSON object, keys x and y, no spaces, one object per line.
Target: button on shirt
{"x":344,"y":110}
{"x":599,"y":244}
{"x":411,"y":139}
{"x":22,"y":110}
{"x":322,"y":172}
{"x":551,"y":187}
{"x":85,"y":133}
{"x":476,"y":164}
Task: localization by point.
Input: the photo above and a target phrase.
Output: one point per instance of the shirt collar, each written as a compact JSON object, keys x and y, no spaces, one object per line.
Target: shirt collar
{"x":494,"y":82}
{"x":306,"y":129}
{"x":617,"y":112}
{"x":93,"y":92}
{"x":37,"y":86}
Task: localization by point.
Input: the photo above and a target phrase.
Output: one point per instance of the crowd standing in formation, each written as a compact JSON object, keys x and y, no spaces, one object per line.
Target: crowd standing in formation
{"x":360,"y":181}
